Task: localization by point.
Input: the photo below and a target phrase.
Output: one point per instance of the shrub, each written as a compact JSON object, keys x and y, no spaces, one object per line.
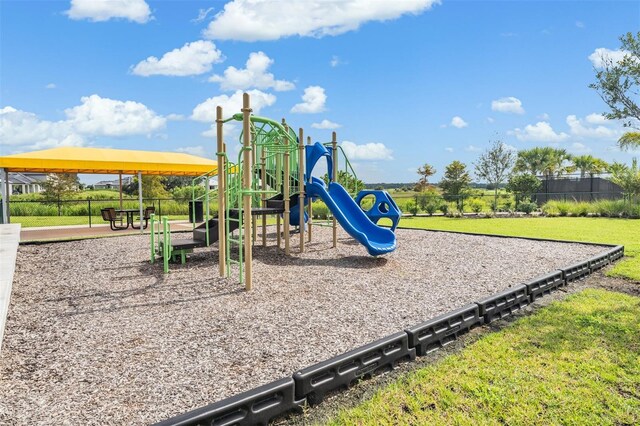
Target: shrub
{"x":550,"y":209}
{"x":431,"y":208}
{"x":528,"y":208}
{"x":444,"y":208}
{"x":320,"y":211}
{"x":610,"y":208}
{"x":580,"y":208}
{"x":477,"y":205}
{"x":412,"y":207}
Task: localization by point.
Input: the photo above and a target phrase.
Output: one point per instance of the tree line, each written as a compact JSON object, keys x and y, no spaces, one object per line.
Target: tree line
{"x":520,"y":170}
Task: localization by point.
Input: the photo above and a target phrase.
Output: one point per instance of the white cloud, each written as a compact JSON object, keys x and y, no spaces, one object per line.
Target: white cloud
{"x":448,"y":149}
{"x":579,"y":147}
{"x":50,"y":86}
{"x":594,"y":128}
{"x":490,"y":119}
{"x":26,"y":131}
{"x":602,"y":55}
{"x":193,"y":150}
{"x":103,"y":10}
{"x":253,"y":20}
{"x":458,"y":122}
{"x":508,"y":105}
{"x":313,"y":99}
{"x":254,"y":75}
{"x":191,"y":59}
{"x":175,"y":117}
{"x":539,"y":132}
{"x":335,"y":61}
{"x":472,"y":148}
{"x":594,"y":118}
{"x":326,"y":124}
{"x":231,"y":104}
{"x":367,"y":151}
{"x":99,"y":116}
{"x":544,"y":116}
{"x":202,"y":15}
{"x":580,"y":24}
{"x":96,"y":116}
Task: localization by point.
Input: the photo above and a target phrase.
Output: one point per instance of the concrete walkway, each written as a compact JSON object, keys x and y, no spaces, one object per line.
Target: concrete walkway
{"x":56,"y":233}
{"x":9,"y":239}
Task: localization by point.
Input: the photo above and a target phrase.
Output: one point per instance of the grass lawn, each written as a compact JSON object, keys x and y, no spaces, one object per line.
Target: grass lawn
{"x":35,"y":221}
{"x":574,"y":362}
{"x":596,"y":230}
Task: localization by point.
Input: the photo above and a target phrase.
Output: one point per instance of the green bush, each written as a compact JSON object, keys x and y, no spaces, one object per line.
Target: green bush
{"x":444,"y":208}
{"x":581,"y":209}
{"x":550,"y":209}
{"x":431,"y":208}
{"x":610,"y":208}
{"x":477,"y":205}
{"x":412,"y":207}
{"x":320,"y":210}
{"x":528,"y":208}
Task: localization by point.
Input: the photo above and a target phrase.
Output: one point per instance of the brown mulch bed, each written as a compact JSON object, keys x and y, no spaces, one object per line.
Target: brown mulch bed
{"x":96,"y":334}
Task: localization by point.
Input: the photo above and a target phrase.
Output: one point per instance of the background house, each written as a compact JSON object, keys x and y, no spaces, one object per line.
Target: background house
{"x":26,"y":183}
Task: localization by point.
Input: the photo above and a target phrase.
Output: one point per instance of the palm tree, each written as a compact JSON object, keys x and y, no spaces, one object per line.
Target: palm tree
{"x":425,"y":173}
{"x":589,"y":165}
{"x":558,"y":162}
{"x":529,"y":161}
{"x":629,"y":140}
{"x":545,"y":160}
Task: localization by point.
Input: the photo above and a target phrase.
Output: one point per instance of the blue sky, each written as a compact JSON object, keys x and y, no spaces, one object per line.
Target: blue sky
{"x":407,"y":82}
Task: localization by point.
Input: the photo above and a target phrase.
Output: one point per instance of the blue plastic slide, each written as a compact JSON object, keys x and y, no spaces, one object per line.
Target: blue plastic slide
{"x":376,"y":239}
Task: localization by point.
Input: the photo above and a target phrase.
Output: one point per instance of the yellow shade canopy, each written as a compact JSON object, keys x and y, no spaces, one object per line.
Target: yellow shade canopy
{"x":108,"y":161}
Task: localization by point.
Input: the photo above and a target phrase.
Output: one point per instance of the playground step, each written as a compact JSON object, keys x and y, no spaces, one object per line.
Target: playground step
{"x":277,"y":201}
{"x":186,"y":244}
{"x":200,"y":233}
{"x":258,"y":211}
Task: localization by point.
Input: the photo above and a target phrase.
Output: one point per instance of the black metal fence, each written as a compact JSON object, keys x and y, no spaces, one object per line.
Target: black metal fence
{"x":597,"y":203}
{"x":88,"y":212}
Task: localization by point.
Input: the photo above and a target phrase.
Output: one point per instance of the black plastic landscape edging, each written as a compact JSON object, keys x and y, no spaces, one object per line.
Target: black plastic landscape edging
{"x":503,"y":304}
{"x":382,"y":355}
{"x":444,"y":329}
{"x":254,"y":407}
{"x":309,"y":385}
{"x":545,"y":284}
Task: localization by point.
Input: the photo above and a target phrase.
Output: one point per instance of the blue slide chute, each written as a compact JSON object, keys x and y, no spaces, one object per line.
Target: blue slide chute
{"x":376,"y":239}
{"x":347,"y":212}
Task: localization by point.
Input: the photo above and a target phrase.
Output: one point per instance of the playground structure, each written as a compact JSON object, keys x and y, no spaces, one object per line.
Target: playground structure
{"x":270,"y":178}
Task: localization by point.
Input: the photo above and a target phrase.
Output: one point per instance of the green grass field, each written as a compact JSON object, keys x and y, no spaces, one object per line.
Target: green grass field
{"x":36,"y":221}
{"x":596,"y":230}
{"x":575,"y":362}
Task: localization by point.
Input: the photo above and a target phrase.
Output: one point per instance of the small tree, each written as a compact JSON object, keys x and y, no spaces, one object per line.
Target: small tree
{"x":425,"y":172}
{"x":523,"y":186}
{"x":350,"y":182}
{"x":455,"y":183}
{"x":60,"y":186}
{"x":629,"y":180}
{"x":618,"y":84}
{"x":494,"y":166}
{"x":152,"y":187}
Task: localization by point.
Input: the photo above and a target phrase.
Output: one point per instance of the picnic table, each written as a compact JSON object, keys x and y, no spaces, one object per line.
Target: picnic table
{"x":129,"y":213}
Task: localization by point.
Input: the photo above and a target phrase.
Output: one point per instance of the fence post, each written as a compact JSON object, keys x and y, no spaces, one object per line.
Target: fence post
{"x":89,"y":201}
{"x":159,"y":208}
